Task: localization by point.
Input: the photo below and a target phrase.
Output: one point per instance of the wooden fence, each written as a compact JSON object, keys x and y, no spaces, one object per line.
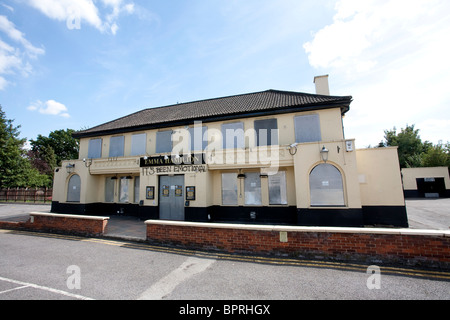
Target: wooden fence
{"x":34,"y":195}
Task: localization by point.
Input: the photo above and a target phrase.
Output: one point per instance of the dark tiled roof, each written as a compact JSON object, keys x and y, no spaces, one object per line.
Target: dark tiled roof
{"x":238,"y":106}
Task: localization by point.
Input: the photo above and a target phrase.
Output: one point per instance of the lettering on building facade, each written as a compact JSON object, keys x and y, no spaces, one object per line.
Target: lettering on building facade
{"x":149,"y":171}
{"x":172,"y":164}
{"x":172,"y":160}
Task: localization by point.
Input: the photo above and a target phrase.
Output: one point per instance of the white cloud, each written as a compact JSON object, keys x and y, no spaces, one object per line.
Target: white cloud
{"x":85,"y":11}
{"x":8,"y":59}
{"x":129,"y":8}
{"x":362,"y":31}
{"x":391,"y":56}
{"x":14,"y":55}
{"x":65,"y":9}
{"x":114,"y":28}
{"x":10,"y":30}
{"x":33,"y":107}
{"x":8,"y":7}
{"x":50,"y":107}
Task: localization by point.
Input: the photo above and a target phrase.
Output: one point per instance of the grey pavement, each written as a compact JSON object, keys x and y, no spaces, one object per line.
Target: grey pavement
{"x":422,"y":214}
{"x":428,"y":213}
{"x":129,"y":228}
{"x":18,"y":212}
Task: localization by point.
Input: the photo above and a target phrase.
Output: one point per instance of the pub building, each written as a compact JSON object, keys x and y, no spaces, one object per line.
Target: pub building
{"x":270,"y":157}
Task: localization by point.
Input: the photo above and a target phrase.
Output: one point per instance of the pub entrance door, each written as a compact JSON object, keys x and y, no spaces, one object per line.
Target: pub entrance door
{"x":171,"y":197}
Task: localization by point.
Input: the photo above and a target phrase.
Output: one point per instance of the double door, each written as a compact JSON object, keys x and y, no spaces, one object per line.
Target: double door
{"x":171,"y":197}
{"x":431,"y":187}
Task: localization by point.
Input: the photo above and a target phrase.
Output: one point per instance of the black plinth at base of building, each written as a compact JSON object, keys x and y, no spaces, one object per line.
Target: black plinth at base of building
{"x":393,"y":216}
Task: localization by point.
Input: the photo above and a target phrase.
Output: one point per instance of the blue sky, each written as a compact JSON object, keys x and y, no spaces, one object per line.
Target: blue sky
{"x":79,"y":63}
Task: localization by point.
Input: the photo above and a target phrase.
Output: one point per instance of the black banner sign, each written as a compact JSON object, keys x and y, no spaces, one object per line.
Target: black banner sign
{"x":172,"y":160}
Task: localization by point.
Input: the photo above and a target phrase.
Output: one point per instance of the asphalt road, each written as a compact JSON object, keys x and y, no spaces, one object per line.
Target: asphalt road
{"x":41,"y":266}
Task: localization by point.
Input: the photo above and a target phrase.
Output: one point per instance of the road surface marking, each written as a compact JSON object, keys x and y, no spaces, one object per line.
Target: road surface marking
{"x":13,"y":289}
{"x":36,"y":286}
{"x":167,"y":284}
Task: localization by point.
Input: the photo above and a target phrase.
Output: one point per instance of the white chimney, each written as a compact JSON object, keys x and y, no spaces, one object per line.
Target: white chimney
{"x":322,"y":85}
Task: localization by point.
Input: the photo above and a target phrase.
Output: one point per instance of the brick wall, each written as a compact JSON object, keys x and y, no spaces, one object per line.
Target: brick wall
{"x":59,"y":223}
{"x":396,"y":246}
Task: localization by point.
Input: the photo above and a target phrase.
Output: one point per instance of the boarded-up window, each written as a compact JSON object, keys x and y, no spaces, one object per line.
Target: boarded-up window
{"x":229,"y":189}
{"x":307,"y":128}
{"x":266,"y":132}
{"x":137,"y":184}
{"x":164,"y":141}
{"x":95,"y":149}
{"x":138,"y":144}
{"x":109,"y":189}
{"x":116,"y":146}
{"x":326,"y":187}
{"x":74,"y":188}
{"x":277,"y":188}
{"x":124,"y":192}
{"x":252,"y":188}
{"x":233,"y":135}
{"x":198,"y":141}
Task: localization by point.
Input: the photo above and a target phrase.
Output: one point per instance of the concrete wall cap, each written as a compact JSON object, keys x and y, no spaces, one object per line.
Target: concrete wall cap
{"x":70,"y":216}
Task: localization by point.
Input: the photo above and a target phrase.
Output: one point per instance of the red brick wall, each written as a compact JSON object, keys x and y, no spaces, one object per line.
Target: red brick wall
{"x":413,"y":249}
{"x":76,"y":225}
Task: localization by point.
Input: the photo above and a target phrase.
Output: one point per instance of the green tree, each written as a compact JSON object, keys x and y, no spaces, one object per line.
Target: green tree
{"x":410,"y":146}
{"x":10,"y":150}
{"x":44,"y":161}
{"x":64,"y":147}
{"x":28,"y":177}
{"x":15,"y":169}
{"x":436,"y":156}
{"x":412,"y":152}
